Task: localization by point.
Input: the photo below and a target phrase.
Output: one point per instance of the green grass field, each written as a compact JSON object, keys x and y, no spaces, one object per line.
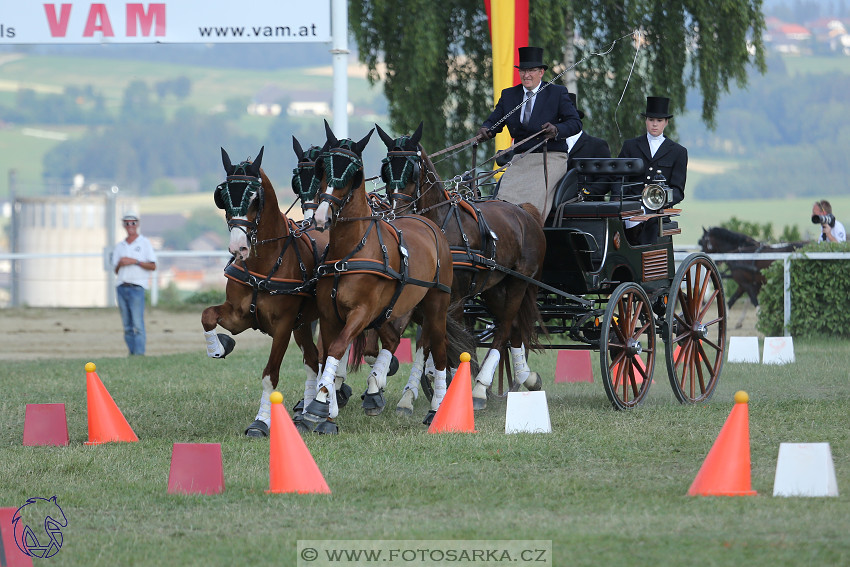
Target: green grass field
{"x":604,"y":486}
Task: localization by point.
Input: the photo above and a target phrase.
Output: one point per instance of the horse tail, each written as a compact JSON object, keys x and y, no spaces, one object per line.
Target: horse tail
{"x":529,"y":321}
{"x":459,"y":339}
{"x":532,"y":210}
{"x":358,"y":347}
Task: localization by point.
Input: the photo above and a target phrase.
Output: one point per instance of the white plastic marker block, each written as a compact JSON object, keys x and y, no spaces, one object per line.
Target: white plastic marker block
{"x":527,"y":412}
{"x":805,"y":469}
{"x":743,"y":349}
{"x":778,"y":350}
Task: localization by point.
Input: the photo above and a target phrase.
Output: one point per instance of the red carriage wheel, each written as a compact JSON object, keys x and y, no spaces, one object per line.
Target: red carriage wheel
{"x":695,"y":336}
{"x":627,"y":346}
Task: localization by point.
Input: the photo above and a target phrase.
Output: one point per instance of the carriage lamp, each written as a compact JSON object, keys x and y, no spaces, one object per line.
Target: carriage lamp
{"x":657,"y":194}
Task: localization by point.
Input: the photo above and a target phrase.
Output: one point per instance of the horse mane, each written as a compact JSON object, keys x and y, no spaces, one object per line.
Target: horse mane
{"x":427,"y":163}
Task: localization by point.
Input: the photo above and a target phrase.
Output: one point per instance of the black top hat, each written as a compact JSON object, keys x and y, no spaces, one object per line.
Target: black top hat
{"x":657,"y":107}
{"x":530,"y":57}
{"x":575,"y":104}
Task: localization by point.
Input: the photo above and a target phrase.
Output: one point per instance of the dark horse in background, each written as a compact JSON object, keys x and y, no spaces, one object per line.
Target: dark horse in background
{"x":747,"y":274}
{"x":485,"y":235}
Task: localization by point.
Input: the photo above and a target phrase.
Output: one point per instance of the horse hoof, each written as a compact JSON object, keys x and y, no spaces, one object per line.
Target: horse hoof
{"x":257,"y":429}
{"x":427,"y":387}
{"x":299,"y":407}
{"x":227,"y":343}
{"x":429,"y":418}
{"x":342,"y":395}
{"x":533,"y":383}
{"x":373,"y":404}
{"x":393,"y":366}
{"x":317,"y":412}
{"x":327,"y":428}
{"x":479,"y":404}
{"x":405,"y":404}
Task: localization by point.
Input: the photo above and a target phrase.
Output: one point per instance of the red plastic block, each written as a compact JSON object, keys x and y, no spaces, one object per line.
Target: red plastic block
{"x":196,"y":469}
{"x":45,"y":424}
{"x":573,"y":366}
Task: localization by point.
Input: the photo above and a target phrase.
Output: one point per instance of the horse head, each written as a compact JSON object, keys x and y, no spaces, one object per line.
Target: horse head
{"x":341,"y":167}
{"x":705,"y":241}
{"x":401,"y":169}
{"x":305,"y":182}
{"x":242,"y":198}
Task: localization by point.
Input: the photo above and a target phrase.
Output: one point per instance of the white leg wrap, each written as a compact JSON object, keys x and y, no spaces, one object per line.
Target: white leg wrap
{"x":378,"y":377}
{"x":327,"y":382}
{"x":521,"y":369}
{"x":488,"y":368}
{"x":309,"y":386}
{"x":439,"y":389}
{"x":265,"y":413}
{"x":416,"y":373}
{"x":214,"y":348}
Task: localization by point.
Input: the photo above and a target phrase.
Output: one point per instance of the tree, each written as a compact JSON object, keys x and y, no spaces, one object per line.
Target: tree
{"x":437,"y":58}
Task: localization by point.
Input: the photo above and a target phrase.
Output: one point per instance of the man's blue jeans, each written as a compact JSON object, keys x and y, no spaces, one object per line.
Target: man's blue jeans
{"x":131,"y":302}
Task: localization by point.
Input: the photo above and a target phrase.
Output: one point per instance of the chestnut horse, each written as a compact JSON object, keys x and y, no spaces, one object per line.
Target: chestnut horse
{"x":485,"y":235}
{"x":375,"y":273}
{"x":270,"y":284}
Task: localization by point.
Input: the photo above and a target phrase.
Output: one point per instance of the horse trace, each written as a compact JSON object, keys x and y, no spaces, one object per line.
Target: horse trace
{"x":496,"y":248}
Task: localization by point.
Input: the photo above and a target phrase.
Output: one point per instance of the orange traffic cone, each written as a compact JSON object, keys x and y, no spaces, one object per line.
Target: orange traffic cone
{"x":106,"y":422}
{"x":291,"y":466}
{"x":726,"y":469}
{"x":455,"y":413}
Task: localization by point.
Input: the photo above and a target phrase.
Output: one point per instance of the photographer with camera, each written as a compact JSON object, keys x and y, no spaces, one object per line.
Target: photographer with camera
{"x":833,"y":231}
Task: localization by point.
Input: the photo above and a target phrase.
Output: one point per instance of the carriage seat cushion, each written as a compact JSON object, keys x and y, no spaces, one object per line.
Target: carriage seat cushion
{"x":598,"y":209}
{"x":590,"y":167}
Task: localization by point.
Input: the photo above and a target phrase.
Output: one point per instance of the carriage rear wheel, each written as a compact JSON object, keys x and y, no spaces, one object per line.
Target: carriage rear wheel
{"x":627,"y":346}
{"x":695,"y":336}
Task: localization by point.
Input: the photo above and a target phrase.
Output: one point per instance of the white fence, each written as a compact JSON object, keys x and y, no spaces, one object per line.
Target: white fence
{"x":679,"y":255}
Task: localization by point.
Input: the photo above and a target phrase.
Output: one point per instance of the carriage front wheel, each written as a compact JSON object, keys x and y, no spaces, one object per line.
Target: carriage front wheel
{"x":695,"y":337}
{"x":627,"y":346}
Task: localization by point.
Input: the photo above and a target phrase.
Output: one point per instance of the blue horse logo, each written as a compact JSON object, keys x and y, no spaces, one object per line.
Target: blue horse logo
{"x":38,"y":527}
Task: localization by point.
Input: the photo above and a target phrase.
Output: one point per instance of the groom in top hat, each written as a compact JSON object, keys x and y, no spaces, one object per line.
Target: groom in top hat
{"x":539,"y":106}
{"x":660,"y":155}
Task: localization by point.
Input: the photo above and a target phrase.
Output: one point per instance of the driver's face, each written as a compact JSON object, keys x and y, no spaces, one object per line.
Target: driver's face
{"x":655,"y":126}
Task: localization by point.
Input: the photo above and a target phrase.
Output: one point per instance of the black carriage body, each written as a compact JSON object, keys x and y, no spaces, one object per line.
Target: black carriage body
{"x":600,"y":292}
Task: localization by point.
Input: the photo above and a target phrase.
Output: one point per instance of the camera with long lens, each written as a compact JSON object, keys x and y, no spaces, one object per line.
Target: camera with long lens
{"x":824,"y":219}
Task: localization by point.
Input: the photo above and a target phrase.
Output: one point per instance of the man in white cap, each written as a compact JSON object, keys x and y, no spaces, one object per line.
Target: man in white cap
{"x":133,"y":259}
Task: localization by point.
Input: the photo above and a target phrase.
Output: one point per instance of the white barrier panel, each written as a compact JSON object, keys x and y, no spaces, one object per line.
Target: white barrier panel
{"x":743,"y":349}
{"x":805,"y":469}
{"x":778,"y":350}
{"x":527,"y":412}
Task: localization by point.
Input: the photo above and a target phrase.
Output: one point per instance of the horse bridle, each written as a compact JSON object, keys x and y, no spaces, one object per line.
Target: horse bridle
{"x":254,"y":188}
{"x":411,"y":168}
{"x":337,"y":181}
{"x":307,"y":162}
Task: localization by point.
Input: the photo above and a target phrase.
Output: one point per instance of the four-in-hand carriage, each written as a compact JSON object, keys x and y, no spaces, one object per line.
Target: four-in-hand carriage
{"x":601,"y":292}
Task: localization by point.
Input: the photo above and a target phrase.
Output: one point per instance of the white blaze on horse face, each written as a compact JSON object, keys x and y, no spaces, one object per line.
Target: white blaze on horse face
{"x":323,"y":212}
{"x":239,"y":243}
{"x":308,"y":214}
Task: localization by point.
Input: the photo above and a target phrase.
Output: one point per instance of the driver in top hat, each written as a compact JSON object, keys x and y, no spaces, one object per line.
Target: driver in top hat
{"x":539,"y":105}
{"x":660,"y":155}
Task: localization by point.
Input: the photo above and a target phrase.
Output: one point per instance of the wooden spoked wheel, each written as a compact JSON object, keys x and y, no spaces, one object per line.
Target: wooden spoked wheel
{"x":627,"y":346}
{"x":695,"y":334}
